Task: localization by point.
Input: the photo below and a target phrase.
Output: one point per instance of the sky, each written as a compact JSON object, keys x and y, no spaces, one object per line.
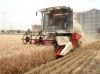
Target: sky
{"x":20,"y":14}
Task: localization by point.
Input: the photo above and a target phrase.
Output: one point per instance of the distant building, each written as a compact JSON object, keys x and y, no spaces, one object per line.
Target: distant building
{"x":12,"y":31}
{"x":36,"y":28}
{"x":90,"y":21}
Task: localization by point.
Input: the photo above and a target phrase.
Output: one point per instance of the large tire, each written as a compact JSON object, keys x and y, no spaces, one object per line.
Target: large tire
{"x":79,"y":43}
{"x":55,"y":45}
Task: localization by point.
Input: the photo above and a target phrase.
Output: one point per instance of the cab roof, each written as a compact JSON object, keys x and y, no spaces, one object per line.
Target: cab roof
{"x":55,"y":8}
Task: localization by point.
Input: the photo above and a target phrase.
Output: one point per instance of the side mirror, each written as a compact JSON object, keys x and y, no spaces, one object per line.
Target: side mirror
{"x":36,"y":13}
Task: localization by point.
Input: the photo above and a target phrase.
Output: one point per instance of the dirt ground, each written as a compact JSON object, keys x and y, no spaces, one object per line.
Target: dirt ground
{"x":94,"y":66}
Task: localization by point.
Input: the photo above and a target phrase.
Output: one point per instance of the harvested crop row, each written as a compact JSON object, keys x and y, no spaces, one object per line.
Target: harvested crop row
{"x":70,"y":63}
{"x":67,"y":63}
{"x":57,"y":61}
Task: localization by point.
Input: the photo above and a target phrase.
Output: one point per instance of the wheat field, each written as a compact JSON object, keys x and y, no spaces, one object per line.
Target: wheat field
{"x":17,"y":58}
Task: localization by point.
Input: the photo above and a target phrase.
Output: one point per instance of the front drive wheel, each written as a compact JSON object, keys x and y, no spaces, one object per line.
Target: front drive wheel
{"x":79,"y":43}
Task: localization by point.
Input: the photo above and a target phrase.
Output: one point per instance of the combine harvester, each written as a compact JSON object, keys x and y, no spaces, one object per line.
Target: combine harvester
{"x":59,"y":28}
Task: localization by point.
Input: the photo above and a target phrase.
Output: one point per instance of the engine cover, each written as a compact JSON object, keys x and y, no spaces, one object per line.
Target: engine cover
{"x":62,"y":40}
